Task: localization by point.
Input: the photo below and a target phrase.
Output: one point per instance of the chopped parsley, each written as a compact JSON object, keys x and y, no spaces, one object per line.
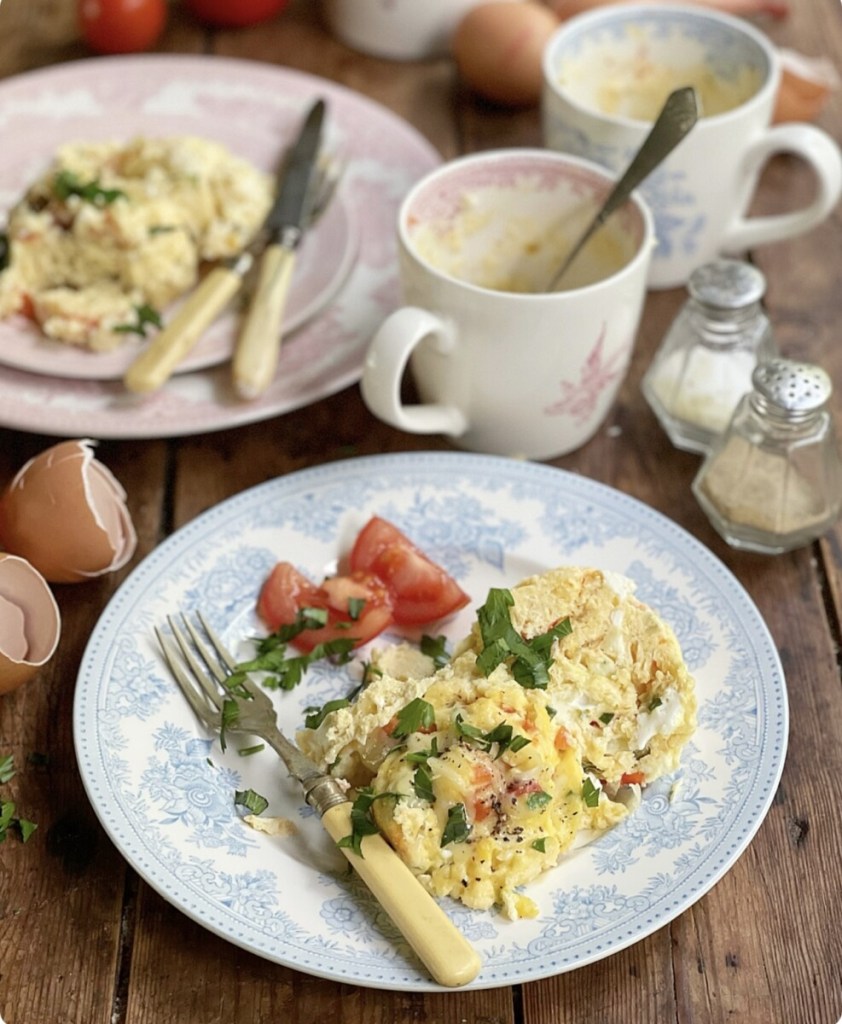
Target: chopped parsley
{"x":539,"y":844}
{"x":457,"y":828}
{"x":145,"y":316}
{"x":362,"y":821}
{"x":656,"y":702}
{"x":435,"y":647}
{"x":537,"y":800}
{"x":606,"y":717}
{"x":248,"y":751}
{"x":422,"y":783}
{"x":423,"y":756}
{"x":417,"y":716}
{"x":9,"y":821}
{"x":283,"y":672}
{"x":5,"y":250}
{"x":253,"y":802}
{"x":529,"y":659}
{"x":67,"y":184}
{"x":501,"y":735}
{"x":318,"y":715}
{"x":590,"y":793}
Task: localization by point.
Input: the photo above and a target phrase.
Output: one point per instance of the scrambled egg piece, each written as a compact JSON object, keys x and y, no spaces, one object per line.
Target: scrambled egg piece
{"x":483,"y":777}
{"x":110,"y":227}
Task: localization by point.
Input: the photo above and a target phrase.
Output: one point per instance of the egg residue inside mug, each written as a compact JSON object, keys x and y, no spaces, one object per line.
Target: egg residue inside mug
{"x":508,"y":240}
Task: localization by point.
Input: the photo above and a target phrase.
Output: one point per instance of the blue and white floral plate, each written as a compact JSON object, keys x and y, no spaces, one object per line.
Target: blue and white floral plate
{"x":164,"y":791}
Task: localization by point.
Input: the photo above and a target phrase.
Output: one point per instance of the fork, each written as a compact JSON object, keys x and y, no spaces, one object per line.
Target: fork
{"x":154,"y":366}
{"x":203,"y":669}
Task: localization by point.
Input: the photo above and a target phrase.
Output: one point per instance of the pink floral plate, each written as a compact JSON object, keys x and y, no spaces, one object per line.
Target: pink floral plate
{"x":248,"y":106}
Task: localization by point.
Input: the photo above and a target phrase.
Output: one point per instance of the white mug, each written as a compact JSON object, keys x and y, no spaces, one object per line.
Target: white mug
{"x":396,"y":29}
{"x":606,"y":75}
{"x":501,"y":364}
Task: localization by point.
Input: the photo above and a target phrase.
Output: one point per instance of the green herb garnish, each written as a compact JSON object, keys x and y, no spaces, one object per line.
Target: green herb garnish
{"x":253,"y":802}
{"x":502,"y":735}
{"x":457,"y":828}
{"x":230,"y":714}
{"x":67,"y":184}
{"x":656,"y":702}
{"x":422,"y":783}
{"x":285,"y":672}
{"x":539,"y":844}
{"x":355,"y":607}
{"x":538,"y":799}
{"x":423,"y":756}
{"x":416,"y":716}
{"x":606,"y":717}
{"x":318,"y":715}
{"x":9,"y":821}
{"x":145,"y":316}
{"x":590,"y":793}
{"x":529,"y":659}
{"x":248,"y":751}
{"x":362,"y":822}
{"x":435,"y":647}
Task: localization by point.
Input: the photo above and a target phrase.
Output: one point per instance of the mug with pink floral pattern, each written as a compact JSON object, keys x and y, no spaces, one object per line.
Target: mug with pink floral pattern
{"x":501,"y":362}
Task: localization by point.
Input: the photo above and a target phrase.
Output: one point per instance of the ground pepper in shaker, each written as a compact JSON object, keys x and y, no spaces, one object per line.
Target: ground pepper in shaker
{"x":773,"y":482}
{"x":704,"y":364}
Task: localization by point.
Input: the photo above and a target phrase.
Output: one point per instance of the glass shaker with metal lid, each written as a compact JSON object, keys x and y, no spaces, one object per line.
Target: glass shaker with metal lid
{"x":773,"y":480}
{"x":704,"y":364}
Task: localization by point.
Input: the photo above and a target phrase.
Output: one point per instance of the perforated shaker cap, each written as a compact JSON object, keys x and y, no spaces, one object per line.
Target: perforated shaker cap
{"x":792,"y":386}
{"x":727,"y":284}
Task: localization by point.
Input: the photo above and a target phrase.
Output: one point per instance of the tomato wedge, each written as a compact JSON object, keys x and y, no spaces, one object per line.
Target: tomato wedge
{"x":422,"y":592}
{"x":358,"y":606}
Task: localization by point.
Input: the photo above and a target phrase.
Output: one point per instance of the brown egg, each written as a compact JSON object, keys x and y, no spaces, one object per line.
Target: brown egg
{"x":29,"y":622}
{"x":498,"y":49}
{"x":66,"y":514}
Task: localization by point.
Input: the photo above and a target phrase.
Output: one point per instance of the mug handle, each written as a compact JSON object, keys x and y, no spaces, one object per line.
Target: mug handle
{"x":820,"y":151}
{"x":386,"y":363}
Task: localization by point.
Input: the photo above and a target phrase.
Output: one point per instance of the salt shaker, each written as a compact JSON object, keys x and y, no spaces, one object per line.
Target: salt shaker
{"x":704,"y":364}
{"x":773,"y":480}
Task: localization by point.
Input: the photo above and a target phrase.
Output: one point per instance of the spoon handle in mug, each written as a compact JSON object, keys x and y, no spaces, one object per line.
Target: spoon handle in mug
{"x":678,"y":115}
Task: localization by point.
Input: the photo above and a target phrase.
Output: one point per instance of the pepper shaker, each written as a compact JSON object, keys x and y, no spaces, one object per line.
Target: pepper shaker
{"x":704,"y":364}
{"x":773,"y":481}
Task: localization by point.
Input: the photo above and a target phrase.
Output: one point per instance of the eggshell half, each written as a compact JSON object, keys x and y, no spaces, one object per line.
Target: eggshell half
{"x":66,"y":514}
{"x":30,"y":623}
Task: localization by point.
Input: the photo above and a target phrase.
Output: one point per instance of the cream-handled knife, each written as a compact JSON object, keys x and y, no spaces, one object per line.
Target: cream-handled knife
{"x":258,"y":346}
{"x":155,"y":364}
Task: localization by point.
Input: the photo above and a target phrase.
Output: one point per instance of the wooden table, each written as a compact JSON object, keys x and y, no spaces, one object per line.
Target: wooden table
{"x":83,"y":940}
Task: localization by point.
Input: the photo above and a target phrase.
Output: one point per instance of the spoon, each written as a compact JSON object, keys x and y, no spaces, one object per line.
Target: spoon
{"x":678,"y":115}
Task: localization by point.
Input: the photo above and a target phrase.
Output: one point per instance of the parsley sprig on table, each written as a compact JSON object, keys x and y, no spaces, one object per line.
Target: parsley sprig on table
{"x":9,"y":821}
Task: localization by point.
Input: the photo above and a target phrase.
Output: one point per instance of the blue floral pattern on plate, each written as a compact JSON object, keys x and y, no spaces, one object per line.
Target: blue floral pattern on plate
{"x":164,"y":790}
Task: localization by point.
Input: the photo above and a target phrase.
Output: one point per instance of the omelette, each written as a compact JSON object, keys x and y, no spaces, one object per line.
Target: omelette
{"x":567,"y":697}
{"x":113,"y":228}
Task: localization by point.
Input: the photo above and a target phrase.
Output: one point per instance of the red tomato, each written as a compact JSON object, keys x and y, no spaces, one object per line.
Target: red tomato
{"x":121,"y":26}
{"x":286,"y":591}
{"x":423,"y":592}
{"x":234,"y":13}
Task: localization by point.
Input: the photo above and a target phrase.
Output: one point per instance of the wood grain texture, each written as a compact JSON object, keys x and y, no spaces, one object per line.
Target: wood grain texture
{"x":84,"y":941}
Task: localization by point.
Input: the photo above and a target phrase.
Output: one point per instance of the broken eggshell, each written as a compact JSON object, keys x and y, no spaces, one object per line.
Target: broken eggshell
{"x":66,"y":514}
{"x":30,"y":623}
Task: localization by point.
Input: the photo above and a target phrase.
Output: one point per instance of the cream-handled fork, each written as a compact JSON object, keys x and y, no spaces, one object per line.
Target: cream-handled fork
{"x":202,"y":672}
{"x":154,"y":366}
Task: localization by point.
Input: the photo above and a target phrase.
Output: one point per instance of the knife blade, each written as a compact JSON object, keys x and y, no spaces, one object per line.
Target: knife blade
{"x":258,"y":345}
{"x":156,"y":363}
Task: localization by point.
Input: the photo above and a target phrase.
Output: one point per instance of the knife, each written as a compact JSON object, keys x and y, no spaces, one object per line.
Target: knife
{"x":155,"y":364}
{"x":259,"y":344}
